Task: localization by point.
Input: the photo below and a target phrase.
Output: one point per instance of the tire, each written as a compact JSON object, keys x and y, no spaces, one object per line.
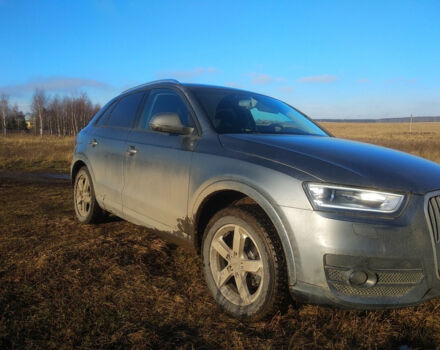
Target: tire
{"x":244,"y":264}
{"x":87,"y":209}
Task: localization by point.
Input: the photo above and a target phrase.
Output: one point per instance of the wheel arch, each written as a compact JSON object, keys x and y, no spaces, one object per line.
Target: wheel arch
{"x":225,"y":192}
{"x":75,"y":168}
{"x":78,"y":162}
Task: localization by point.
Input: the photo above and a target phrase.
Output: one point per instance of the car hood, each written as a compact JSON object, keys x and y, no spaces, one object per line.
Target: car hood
{"x":341,"y":161}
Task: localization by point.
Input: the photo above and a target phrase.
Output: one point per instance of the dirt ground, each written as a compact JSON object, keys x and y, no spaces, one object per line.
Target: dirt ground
{"x":115,"y":286}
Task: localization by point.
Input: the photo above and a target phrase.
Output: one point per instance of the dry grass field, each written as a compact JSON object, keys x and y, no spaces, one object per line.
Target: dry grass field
{"x":423,"y":140}
{"x":32,"y":153}
{"x":116,"y":286}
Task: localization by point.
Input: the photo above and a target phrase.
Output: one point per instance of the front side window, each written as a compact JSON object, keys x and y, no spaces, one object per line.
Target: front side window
{"x":124,"y":114}
{"x":237,"y":112}
{"x":164,"y":101}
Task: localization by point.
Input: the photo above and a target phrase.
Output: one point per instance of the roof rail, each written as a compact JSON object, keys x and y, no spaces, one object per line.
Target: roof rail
{"x":151,"y":83}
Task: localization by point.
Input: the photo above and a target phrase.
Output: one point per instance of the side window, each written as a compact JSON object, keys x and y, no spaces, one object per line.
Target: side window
{"x":102,"y":119}
{"x":164,"y":101}
{"x":124,"y":113}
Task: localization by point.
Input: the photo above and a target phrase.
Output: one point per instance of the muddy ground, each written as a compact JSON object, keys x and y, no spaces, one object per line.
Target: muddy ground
{"x":115,"y":286}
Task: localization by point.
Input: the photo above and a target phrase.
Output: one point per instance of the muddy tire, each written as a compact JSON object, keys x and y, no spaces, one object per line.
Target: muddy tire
{"x":87,"y":209}
{"x":244,"y":263}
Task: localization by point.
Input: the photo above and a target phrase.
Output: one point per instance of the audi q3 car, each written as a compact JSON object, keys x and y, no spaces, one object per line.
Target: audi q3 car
{"x":270,"y":200}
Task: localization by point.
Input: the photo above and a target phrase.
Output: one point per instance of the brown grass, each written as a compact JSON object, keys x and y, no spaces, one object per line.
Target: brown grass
{"x":423,"y":140}
{"x":114,"y":285}
{"x":32,"y":153}
{"x":50,"y":153}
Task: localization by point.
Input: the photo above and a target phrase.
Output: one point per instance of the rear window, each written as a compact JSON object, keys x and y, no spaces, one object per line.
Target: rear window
{"x":103,"y":114}
{"x":124,"y":114}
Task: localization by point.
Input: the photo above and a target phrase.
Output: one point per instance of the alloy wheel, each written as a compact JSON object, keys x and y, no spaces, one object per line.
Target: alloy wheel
{"x":83,"y":198}
{"x":236,"y":264}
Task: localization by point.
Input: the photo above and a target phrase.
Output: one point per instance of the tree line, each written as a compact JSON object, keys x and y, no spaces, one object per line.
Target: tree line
{"x":49,"y":115}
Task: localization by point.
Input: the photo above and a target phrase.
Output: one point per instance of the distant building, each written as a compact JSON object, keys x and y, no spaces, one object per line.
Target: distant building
{"x":28,"y":120}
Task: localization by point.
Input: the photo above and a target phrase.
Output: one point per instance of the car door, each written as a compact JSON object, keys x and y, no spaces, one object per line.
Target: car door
{"x":95,"y":154}
{"x":157,"y":167}
{"x":108,"y":143}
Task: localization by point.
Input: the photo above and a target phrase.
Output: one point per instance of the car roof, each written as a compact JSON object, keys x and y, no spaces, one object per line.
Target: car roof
{"x":161,"y":81}
{"x":207,"y":86}
{"x":178,"y":83}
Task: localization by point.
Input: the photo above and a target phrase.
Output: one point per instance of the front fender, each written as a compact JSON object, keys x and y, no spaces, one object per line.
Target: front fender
{"x":263,"y":199}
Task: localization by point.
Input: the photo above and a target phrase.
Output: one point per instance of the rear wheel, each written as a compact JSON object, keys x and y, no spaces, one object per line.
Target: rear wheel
{"x":87,"y":209}
{"x":243,"y":263}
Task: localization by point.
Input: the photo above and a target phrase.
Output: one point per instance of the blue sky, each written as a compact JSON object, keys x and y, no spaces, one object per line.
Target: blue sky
{"x":328,"y":58}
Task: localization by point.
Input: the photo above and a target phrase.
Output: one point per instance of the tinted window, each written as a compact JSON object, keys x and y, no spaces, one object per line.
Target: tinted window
{"x":233,"y":111}
{"x":104,"y":113}
{"x":124,"y":113}
{"x":164,"y":101}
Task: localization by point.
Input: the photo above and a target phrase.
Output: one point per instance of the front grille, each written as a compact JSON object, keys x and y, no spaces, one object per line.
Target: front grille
{"x":434,"y":216}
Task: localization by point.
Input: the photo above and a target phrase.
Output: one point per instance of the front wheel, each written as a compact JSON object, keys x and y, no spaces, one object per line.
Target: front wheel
{"x":87,"y":209}
{"x":243,"y":263}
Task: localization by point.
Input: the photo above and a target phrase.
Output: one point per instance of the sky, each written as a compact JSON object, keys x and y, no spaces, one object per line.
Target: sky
{"x":330,"y":59}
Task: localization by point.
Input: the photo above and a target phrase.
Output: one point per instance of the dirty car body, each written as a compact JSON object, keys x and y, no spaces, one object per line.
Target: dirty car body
{"x":358,"y":224}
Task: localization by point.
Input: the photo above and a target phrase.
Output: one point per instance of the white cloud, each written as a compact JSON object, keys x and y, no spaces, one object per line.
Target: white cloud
{"x":232,"y":84}
{"x":287,"y":89}
{"x":261,"y":78}
{"x":323,"y":79}
{"x":54,"y":84}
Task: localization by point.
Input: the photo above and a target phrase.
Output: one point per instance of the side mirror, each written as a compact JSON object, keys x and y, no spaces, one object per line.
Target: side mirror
{"x":169,"y":122}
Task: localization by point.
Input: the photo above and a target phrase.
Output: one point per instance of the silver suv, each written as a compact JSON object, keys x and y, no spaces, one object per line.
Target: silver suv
{"x":271,"y":201}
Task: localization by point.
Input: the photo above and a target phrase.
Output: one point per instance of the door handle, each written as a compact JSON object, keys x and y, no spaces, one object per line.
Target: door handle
{"x":94,"y":143}
{"x":132,"y":151}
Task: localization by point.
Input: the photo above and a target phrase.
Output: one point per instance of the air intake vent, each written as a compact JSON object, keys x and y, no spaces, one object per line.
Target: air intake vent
{"x":434,"y":216}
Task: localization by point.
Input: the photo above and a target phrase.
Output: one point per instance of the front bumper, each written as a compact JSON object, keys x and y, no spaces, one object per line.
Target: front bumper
{"x":397,"y":254}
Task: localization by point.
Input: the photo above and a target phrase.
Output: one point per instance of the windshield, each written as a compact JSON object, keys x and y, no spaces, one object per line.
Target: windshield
{"x":239,"y":112}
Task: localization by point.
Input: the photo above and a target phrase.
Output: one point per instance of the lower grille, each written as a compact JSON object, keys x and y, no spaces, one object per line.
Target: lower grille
{"x":389,"y":283}
{"x":383,"y":277}
{"x":400,"y":277}
{"x":434,"y":216}
{"x":369,"y":277}
{"x":374,"y":292}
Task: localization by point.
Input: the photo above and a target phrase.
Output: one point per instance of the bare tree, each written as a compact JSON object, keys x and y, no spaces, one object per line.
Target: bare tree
{"x":56,"y":114}
{"x":38,"y":105}
{"x":4,"y":101}
{"x":16,"y":119}
{"x":64,"y":115}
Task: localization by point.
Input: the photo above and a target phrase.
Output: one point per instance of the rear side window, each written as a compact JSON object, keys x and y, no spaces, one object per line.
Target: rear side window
{"x":164,"y":101}
{"x":124,"y":114}
{"x":102,"y":118}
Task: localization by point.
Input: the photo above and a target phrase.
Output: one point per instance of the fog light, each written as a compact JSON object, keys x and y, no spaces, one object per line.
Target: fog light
{"x":362,"y":278}
{"x":358,"y":278}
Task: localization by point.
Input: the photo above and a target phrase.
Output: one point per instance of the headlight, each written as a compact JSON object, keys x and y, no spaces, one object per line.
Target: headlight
{"x":338,"y":197}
